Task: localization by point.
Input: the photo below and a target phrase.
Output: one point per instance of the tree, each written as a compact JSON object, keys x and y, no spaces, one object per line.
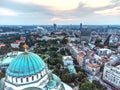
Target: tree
{"x":62,"y":51}
{"x":53,"y":48}
{"x":106,"y":43}
{"x":51,"y":61}
{"x":86,"y":85}
{"x":58,"y":65}
{"x":80,"y":76}
{"x":2,"y":75}
{"x":21,"y":46}
{"x":78,"y":69}
{"x":97,"y":43}
{"x":68,"y":78}
{"x":4,"y":50}
{"x":98,"y":85}
{"x":64,"y":41}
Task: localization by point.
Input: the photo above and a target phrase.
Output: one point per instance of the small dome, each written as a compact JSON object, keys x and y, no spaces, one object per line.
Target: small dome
{"x":51,"y":84}
{"x":56,"y":79}
{"x":25,"y":64}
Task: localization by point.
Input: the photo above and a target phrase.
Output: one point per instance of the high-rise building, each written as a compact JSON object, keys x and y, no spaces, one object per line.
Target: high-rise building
{"x":80,"y":26}
{"x":55,"y":27}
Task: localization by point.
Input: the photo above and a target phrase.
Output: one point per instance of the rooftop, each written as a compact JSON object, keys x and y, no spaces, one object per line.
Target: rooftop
{"x":25,"y":64}
{"x":93,"y":65}
{"x":67,"y":58}
{"x":9,"y":57}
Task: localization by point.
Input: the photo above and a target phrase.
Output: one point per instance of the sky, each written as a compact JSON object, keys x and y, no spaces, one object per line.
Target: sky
{"x":45,"y":12}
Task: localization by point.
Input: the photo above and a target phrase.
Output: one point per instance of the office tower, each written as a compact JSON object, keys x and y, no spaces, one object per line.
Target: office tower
{"x":55,"y":27}
{"x":80,"y":26}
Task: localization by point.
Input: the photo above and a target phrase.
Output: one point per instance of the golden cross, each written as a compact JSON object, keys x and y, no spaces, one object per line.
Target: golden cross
{"x":25,"y":46}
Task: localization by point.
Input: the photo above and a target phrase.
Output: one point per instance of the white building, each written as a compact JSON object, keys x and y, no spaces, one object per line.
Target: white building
{"x":68,"y":63}
{"x":118,"y":49}
{"x":111,"y":75}
{"x":7,"y":59}
{"x":17,"y":43}
{"x":41,"y":30}
{"x":114,"y":39}
{"x":67,"y":60}
{"x":104,"y":51}
{"x":92,"y":66}
{"x":73,"y":50}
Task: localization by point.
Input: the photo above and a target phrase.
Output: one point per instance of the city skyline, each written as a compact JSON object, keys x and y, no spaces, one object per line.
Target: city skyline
{"x":29,"y":12}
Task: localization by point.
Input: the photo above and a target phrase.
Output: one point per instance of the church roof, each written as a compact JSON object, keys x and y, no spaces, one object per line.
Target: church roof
{"x":25,"y":64}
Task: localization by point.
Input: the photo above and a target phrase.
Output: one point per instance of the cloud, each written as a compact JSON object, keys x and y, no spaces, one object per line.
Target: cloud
{"x":54,"y":19}
{"x":53,"y":4}
{"x":64,"y":5}
{"x":97,"y":3}
{"x":111,"y":11}
{"x":59,"y":11}
{"x":7,"y":12}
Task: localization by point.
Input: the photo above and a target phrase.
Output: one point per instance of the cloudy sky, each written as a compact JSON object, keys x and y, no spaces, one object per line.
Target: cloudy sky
{"x":29,"y":12}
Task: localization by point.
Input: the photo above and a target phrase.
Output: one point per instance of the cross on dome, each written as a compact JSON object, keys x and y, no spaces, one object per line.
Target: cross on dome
{"x":25,"y":46}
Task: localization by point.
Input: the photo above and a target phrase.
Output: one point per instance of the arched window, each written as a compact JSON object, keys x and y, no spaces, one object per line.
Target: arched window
{"x":32,"y":77}
{"x":12,"y":79}
{"x":37,"y":75}
{"x":16,"y":80}
{"x":21,"y":80}
{"x":27,"y":79}
{"x":41,"y":74}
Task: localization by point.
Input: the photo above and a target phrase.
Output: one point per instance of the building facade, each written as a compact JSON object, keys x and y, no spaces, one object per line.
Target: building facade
{"x":111,"y":75}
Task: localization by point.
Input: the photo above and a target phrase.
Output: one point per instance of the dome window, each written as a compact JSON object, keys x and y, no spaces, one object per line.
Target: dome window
{"x":21,"y":80}
{"x":27,"y":79}
{"x":16,"y":80}
{"x":32,"y":77}
{"x":37,"y":75}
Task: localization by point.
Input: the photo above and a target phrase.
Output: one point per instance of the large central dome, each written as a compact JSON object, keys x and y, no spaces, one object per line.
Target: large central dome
{"x":25,"y":64}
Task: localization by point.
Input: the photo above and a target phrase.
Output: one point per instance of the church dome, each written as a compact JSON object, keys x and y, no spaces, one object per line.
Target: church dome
{"x":25,"y":64}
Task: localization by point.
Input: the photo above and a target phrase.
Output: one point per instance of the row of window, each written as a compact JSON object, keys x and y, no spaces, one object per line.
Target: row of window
{"x":27,"y":79}
{"x":32,"y":77}
{"x":112,"y":77}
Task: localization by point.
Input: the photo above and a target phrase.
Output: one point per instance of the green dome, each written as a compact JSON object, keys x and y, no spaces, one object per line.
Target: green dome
{"x":25,"y":64}
{"x":51,"y":84}
{"x":56,"y":79}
